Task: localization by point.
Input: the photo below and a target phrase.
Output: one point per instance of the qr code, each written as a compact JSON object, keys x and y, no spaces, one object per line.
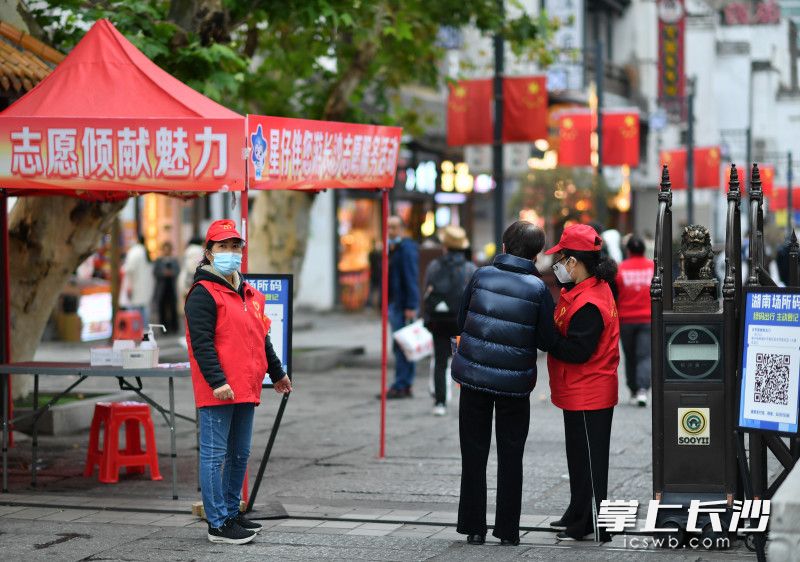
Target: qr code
{"x":772,"y":378}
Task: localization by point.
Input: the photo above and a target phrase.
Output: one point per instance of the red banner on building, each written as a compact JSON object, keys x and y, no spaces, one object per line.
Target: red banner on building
{"x":671,"y":37}
{"x":524,"y":109}
{"x":304,"y":154}
{"x":103,"y":154}
{"x":469,"y":113}
{"x":706,"y":167}
{"x":621,"y":138}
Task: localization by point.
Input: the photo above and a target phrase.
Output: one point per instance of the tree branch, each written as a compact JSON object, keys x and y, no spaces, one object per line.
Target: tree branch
{"x":336,"y":106}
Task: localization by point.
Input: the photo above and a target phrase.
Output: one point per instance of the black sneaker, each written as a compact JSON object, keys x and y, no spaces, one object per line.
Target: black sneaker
{"x":230,"y":533}
{"x":246,"y":524}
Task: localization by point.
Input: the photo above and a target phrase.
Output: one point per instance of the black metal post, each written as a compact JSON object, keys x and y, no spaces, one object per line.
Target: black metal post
{"x":599,"y":75}
{"x":497,"y":148}
{"x":731,"y":293}
{"x":789,"y":204}
{"x":267,"y":452}
{"x":690,"y":155}
{"x":660,"y":300}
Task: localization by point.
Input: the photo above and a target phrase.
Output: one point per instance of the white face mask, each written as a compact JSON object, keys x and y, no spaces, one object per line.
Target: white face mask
{"x":561,"y":272}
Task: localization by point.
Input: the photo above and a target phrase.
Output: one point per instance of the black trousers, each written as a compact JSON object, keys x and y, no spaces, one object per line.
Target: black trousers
{"x":512,"y":417}
{"x":588,"y":436}
{"x":441,"y":353}
{"x":636,"y":345}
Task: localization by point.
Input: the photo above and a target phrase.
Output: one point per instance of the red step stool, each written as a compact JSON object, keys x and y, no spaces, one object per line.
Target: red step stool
{"x":110,"y":416}
{"x":128,"y":325}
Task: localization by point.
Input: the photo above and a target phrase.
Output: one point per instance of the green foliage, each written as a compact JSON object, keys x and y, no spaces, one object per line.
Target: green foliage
{"x":332,"y":59}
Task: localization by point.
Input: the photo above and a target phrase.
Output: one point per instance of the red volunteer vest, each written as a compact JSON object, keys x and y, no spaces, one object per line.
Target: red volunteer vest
{"x":239,"y":340}
{"x":591,"y":385}
{"x":633,"y":282}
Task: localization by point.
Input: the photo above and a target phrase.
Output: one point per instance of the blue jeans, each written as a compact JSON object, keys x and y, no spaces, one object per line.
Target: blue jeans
{"x":404,"y":369}
{"x":225,"y":433}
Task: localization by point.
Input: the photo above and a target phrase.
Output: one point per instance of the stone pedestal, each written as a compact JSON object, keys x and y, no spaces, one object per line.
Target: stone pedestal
{"x":696,"y":295}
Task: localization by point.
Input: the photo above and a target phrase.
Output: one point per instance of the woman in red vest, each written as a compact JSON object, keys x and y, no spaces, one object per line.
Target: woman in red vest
{"x":227,"y":333}
{"x":583,"y":373}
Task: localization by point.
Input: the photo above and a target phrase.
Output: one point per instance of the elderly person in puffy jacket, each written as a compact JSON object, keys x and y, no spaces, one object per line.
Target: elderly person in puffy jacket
{"x":507,"y":313}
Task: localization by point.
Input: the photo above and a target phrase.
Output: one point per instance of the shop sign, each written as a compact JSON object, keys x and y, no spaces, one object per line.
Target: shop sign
{"x":671,"y":36}
{"x":101,"y":154}
{"x":304,"y":154}
{"x":762,"y":13}
{"x":422,"y":178}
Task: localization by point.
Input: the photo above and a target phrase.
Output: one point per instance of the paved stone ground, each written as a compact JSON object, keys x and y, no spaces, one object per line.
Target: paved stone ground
{"x":343,"y":502}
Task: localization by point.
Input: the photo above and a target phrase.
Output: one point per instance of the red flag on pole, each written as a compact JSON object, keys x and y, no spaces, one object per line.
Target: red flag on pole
{"x":706,"y":167}
{"x":620,"y":138}
{"x":574,"y":131}
{"x":524,"y":109}
{"x":676,"y":163}
{"x":767,"y":179}
{"x":469,"y":113}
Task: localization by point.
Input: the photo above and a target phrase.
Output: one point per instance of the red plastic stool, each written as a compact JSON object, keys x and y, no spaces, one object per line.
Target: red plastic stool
{"x":128,"y":325}
{"x":110,"y":416}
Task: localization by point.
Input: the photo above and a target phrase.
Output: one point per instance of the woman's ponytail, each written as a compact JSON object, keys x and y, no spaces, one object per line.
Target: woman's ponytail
{"x":606,"y":270}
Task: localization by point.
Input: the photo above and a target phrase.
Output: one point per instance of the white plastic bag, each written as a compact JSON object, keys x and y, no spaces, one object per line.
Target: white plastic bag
{"x":414,"y":341}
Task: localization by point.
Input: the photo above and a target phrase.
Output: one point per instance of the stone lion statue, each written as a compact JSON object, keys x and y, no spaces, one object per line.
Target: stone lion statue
{"x":696,"y":257}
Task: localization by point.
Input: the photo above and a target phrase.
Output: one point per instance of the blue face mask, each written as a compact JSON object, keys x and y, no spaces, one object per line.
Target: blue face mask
{"x":227,"y":262}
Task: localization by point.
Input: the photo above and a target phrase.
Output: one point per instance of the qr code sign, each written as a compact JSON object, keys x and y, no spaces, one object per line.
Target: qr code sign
{"x":772,"y":378}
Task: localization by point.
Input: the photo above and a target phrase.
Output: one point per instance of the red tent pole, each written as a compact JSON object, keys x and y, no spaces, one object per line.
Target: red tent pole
{"x":5,"y":333}
{"x":245,"y":211}
{"x":384,"y":315}
{"x":245,"y":207}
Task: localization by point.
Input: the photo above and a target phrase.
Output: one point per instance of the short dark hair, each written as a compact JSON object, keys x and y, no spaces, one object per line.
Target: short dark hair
{"x":635,"y":246}
{"x":523,"y":239}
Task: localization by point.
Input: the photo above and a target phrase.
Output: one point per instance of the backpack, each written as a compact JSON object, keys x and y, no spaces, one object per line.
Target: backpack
{"x":443,"y":293}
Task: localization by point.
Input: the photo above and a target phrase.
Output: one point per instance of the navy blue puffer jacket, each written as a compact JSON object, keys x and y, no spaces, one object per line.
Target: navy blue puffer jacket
{"x":507,"y":313}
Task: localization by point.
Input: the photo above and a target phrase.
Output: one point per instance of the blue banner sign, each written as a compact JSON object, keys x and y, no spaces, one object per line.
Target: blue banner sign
{"x":770,"y":362}
{"x":277,"y":291}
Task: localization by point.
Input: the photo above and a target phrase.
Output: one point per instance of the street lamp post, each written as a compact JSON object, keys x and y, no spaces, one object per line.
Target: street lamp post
{"x":690,"y":154}
{"x":497,"y":147}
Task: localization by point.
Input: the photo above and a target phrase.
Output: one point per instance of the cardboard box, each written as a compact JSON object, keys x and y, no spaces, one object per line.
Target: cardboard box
{"x":139,"y":358}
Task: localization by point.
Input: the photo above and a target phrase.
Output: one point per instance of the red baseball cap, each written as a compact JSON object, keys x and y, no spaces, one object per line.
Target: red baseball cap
{"x":579,"y":237}
{"x":220,"y":230}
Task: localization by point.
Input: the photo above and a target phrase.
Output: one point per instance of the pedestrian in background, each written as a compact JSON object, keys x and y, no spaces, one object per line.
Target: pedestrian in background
{"x":403,"y":300}
{"x":192,"y":256}
{"x":166,"y":271}
{"x":583,"y":373}
{"x":227,"y":335}
{"x":444,"y":283}
{"x":633,"y":302}
{"x":506,"y":314}
{"x":138,"y":281}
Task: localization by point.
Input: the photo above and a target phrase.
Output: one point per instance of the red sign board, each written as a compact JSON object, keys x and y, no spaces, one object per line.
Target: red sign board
{"x":107,"y":154}
{"x":671,"y":37}
{"x":304,"y":154}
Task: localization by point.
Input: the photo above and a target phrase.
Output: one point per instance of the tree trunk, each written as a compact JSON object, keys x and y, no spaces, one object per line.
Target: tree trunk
{"x":48,"y":238}
{"x":278,"y":231}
